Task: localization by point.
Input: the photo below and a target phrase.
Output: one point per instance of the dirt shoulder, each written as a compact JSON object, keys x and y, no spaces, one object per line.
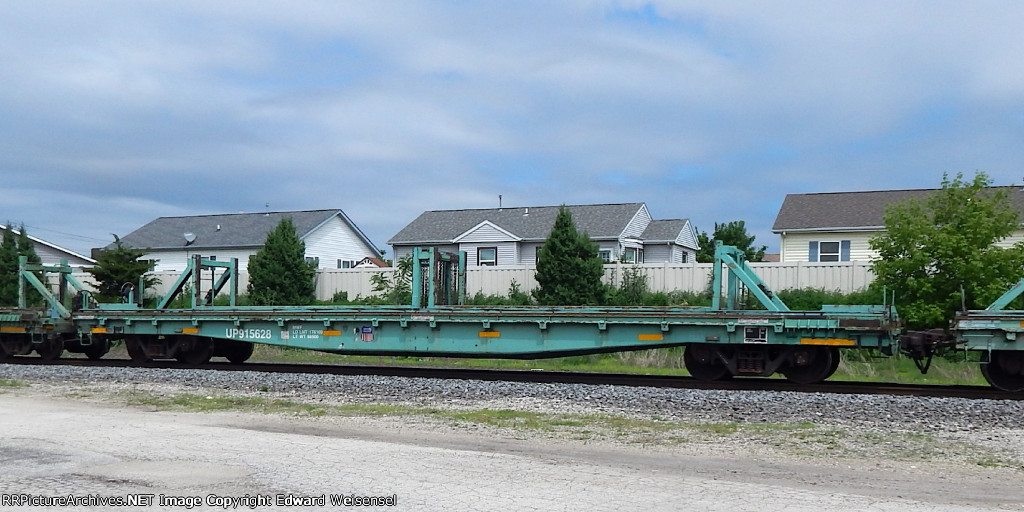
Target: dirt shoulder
{"x":785,"y":464}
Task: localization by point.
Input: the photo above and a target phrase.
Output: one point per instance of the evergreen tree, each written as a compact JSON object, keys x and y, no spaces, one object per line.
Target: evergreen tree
{"x":939,"y":254}
{"x":9,"y":268}
{"x":731,"y":233}
{"x":11,"y":248}
{"x":117,"y":267}
{"x":27,"y":249}
{"x":569,"y":270}
{"x":279,"y":274}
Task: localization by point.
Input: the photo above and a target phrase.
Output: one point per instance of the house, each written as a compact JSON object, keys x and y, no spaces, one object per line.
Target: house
{"x":837,"y":226}
{"x":52,"y":254}
{"x":332,"y":239}
{"x":511,"y":236}
{"x":371,"y":262}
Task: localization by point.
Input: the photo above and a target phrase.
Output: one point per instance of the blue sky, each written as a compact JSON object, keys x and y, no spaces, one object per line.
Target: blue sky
{"x":114,"y":113}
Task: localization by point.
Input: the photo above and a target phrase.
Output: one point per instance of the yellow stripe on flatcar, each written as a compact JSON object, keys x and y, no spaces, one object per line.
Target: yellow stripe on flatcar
{"x":190,"y":330}
{"x":650,"y":337}
{"x":835,"y":342}
{"x":332,"y":333}
{"x":13,"y":329}
{"x":489,"y":334}
{"x":99,"y":330}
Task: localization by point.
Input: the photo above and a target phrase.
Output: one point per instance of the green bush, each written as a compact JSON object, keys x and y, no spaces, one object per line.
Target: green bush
{"x":811,"y":299}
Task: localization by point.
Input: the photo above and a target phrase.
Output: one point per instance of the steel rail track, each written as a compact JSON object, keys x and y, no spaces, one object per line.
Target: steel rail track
{"x":561,"y":377}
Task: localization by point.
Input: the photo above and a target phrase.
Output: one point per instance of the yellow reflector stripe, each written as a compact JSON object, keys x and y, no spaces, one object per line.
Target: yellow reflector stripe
{"x":489,"y":334}
{"x":12,"y":329}
{"x":840,"y":342}
{"x":649,"y":337}
{"x":332,"y":333}
{"x":190,"y":330}
{"x":99,"y":330}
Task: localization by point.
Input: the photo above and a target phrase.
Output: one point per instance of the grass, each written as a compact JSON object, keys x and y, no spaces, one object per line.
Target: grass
{"x":646,"y":361}
{"x":799,"y":439}
{"x":197,"y":403}
{"x":10,"y":383}
{"x":857,"y":365}
{"x":596,"y":424}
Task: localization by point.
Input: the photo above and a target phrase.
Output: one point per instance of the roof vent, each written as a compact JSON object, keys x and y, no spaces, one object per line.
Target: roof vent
{"x":218,"y":227}
{"x":526,"y":212}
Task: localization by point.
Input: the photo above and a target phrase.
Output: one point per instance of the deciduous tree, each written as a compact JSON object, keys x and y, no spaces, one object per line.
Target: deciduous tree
{"x":938,"y":254}
{"x":731,"y":233}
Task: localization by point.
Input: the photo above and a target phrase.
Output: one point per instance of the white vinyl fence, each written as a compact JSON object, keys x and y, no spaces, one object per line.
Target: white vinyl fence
{"x":844,"y":277}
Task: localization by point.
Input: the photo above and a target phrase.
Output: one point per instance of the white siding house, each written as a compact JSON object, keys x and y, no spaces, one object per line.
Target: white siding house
{"x":52,"y":254}
{"x":838,"y":226}
{"x":332,"y":239}
{"x":511,"y":236}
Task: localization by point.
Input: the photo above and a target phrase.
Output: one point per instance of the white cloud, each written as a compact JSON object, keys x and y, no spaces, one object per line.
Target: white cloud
{"x":708,"y":110}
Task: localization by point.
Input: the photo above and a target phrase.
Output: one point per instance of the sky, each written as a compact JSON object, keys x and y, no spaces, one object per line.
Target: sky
{"x":114,"y":113}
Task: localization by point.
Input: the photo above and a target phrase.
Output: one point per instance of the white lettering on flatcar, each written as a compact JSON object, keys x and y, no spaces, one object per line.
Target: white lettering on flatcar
{"x":250,"y":334}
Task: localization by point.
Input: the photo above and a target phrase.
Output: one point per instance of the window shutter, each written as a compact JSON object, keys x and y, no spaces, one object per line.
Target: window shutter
{"x":844,"y":250}
{"x":812,"y":251}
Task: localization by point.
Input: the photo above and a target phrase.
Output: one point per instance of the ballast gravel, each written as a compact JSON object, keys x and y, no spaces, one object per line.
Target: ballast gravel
{"x":881,"y":412}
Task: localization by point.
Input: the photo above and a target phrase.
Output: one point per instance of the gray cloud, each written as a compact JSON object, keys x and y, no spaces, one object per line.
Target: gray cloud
{"x":114,"y":113}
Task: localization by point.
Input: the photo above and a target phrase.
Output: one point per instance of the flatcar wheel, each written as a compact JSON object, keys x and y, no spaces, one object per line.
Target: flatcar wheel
{"x":808,"y":365}
{"x":1004,"y":369}
{"x":97,"y":350}
{"x":197,"y":351}
{"x":240,"y":352}
{"x":136,"y":351}
{"x":51,"y":349}
{"x":703,"y":363}
{"x":836,"y":359}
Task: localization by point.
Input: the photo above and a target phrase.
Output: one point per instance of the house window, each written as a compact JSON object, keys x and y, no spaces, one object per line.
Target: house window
{"x":686,"y":256}
{"x":345,"y":263}
{"x":829,"y":251}
{"x":605,"y":255}
{"x":487,"y":256}
{"x":633,"y":255}
{"x":314,"y":261}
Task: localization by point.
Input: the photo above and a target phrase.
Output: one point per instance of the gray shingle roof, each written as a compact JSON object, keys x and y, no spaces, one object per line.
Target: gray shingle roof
{"x":600,"y":221}
{"x":236,"y":230}
{"x":856,"y":210}
{"x":666,"y":230}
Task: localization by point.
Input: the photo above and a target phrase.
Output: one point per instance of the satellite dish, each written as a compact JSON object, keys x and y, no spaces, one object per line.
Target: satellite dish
{"x":189,"y":238}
